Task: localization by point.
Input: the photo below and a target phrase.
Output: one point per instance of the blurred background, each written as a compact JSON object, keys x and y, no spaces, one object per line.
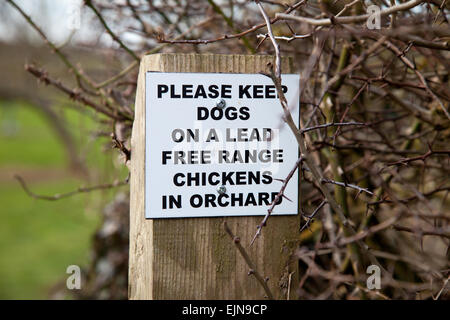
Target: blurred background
{"x":67,"y":85}
{"x":55,"y":147}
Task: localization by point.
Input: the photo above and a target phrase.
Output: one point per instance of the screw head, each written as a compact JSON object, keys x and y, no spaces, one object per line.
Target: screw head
{"x":221,"y":189}
{"x":220,"y":103}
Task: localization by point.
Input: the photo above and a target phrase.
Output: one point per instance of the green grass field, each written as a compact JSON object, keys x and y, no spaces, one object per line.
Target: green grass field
{"x":38,"y":238}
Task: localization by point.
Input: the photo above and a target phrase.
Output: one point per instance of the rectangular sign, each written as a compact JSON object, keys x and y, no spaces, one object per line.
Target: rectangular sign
{"x":216,"y":145}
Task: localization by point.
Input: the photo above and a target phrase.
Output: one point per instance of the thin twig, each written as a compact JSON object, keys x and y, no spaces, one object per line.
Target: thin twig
{"x":311,"y":217}
{"x":71,"y":193}
{"x":248,"y":260}
{"x":338,"y":124}
{"x":76,"y":96}
{"x":276,"y":199}
{"x":350,"y":19}
{"x":108,"y":29}
{"x":272,"y":38}
{"x":347,"y":185}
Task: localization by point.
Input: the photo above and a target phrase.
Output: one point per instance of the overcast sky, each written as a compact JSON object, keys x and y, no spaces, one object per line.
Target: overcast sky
{"x":58,"y":19}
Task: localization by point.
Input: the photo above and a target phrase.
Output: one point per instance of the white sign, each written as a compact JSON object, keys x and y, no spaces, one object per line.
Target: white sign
{"x":216,"y":145}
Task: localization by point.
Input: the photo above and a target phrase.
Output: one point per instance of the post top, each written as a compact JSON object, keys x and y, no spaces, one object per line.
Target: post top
{"x":209,"y":62}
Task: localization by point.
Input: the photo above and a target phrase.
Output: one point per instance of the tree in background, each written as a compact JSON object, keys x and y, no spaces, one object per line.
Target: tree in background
{"x":374,"y":128}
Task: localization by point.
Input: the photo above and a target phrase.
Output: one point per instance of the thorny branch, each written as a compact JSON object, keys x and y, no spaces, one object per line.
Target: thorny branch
{"x":251,"y":265}
{"x":277,"y":198}
{"x":374,"y":121}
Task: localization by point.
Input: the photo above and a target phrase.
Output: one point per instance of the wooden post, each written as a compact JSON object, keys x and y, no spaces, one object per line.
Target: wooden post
{"x":194,"y":258}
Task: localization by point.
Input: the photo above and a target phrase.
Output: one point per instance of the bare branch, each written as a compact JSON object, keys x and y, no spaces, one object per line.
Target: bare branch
{"x":350,"y":19}
{"x":71,"y":193}
{"x":252,"y":271}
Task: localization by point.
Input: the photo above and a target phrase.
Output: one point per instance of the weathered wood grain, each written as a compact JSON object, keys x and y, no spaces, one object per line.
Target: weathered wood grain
{"x":193,"y":258}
